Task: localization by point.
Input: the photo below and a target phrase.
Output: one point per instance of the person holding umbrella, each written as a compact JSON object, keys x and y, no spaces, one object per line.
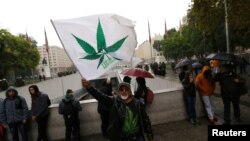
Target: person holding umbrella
{"x":183,"y":72}
{"x":229,"y":83}
{"x":189,"y":95}
{"x":142,"y":90}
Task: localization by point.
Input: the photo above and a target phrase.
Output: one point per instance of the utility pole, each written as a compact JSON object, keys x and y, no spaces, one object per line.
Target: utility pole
{"x":226,"y":26}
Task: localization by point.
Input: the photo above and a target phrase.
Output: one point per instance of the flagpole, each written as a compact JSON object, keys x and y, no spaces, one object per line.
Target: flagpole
{"x":47,"y":49}
{"x":49,"y":65}
{"x":64,"y":48}
{"x":150,"y":45}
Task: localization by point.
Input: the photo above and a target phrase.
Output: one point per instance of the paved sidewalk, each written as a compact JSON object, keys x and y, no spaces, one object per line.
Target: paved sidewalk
{"x":184,"y":131}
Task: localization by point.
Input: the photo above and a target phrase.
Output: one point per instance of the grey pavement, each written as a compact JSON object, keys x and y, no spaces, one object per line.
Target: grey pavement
{"x":183,"y":130}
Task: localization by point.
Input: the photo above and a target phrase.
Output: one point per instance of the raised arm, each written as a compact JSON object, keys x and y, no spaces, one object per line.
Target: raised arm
{"x":95,"y":93}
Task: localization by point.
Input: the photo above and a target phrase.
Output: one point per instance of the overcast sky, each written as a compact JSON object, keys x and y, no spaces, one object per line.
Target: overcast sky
{"x":19,"y":16}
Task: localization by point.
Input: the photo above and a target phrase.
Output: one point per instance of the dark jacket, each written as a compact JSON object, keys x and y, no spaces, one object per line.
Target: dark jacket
{"x":229,"y":88}
{"x":2,"y":112}
{"x":40,"y":105}
{"x":142,"y":89}
{"x":106,"y":89}
{"x":117,"y":115}
{"x":76,"y":107}
{"x":189,"y":87}
{"x":15,"y":108}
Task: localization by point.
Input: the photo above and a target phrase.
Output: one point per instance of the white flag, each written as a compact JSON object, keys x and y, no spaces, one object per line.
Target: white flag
{"x":134,"y":62}
{"x":96,"y":43}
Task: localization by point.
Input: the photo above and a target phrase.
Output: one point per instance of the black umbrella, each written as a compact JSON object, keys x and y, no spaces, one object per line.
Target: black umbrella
{"x":183,"y":63}
{"x":223,"y":57}
{"x":197,"y":65}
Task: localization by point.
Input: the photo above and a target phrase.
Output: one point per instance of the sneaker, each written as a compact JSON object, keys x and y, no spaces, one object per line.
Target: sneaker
{"x":192,"y":121}
{"x":211,"y":121}
{"x":215,"y":119}
{"x":196,"y":121}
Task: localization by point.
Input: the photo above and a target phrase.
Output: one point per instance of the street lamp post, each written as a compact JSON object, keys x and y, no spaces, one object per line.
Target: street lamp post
{"x":226,"y":26}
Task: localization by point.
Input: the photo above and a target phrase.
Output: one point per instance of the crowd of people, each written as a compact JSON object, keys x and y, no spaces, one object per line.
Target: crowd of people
{"x":123,"y":115}
{"x":15,"y":115}
{"x":204,"y":83}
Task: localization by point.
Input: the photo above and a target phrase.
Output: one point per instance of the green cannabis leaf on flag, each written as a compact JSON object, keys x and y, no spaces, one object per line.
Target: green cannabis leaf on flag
{"x":102,"y":49}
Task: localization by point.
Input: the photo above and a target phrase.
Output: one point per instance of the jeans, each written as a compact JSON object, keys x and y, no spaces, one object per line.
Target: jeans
{"x":72,"y":126}
{"x":14,"y":127}
{"x":227,"y":108}
{"x":42,"y":128}
{"x":190,"y":105}
{"x":209,"y":106}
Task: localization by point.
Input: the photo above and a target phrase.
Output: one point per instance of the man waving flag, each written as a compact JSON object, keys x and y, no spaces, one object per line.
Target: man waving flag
{"x":96,"y":43}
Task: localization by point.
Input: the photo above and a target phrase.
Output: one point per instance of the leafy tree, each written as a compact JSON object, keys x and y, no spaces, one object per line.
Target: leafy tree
{"x":19,"y":54}
{"x":31,"y":40}
{"x":157,"y":45}
{"x":174,"y":46}
{"x":210,"y":17}
{"x":205,"y":31}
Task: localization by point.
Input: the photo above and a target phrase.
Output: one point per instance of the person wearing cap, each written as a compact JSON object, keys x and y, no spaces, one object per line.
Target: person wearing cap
{"x":229,"y":80}
{"x":128,"y":118}
{"x":70,"y":108}
{"x":40,"y":103}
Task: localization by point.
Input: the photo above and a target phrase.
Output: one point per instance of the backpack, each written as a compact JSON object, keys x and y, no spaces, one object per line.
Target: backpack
{"x":149,"y":96}
{"x":69,"y":108}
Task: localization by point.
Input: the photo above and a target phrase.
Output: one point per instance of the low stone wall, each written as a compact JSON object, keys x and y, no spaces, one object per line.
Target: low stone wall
{"x":168,"y":106}
{"x":55,"y":87}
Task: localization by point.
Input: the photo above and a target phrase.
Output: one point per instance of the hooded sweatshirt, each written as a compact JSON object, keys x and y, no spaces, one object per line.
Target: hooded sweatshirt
{"x":15,"y":107}
{"x":204,"y":85}
{"x":40,"y":103}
